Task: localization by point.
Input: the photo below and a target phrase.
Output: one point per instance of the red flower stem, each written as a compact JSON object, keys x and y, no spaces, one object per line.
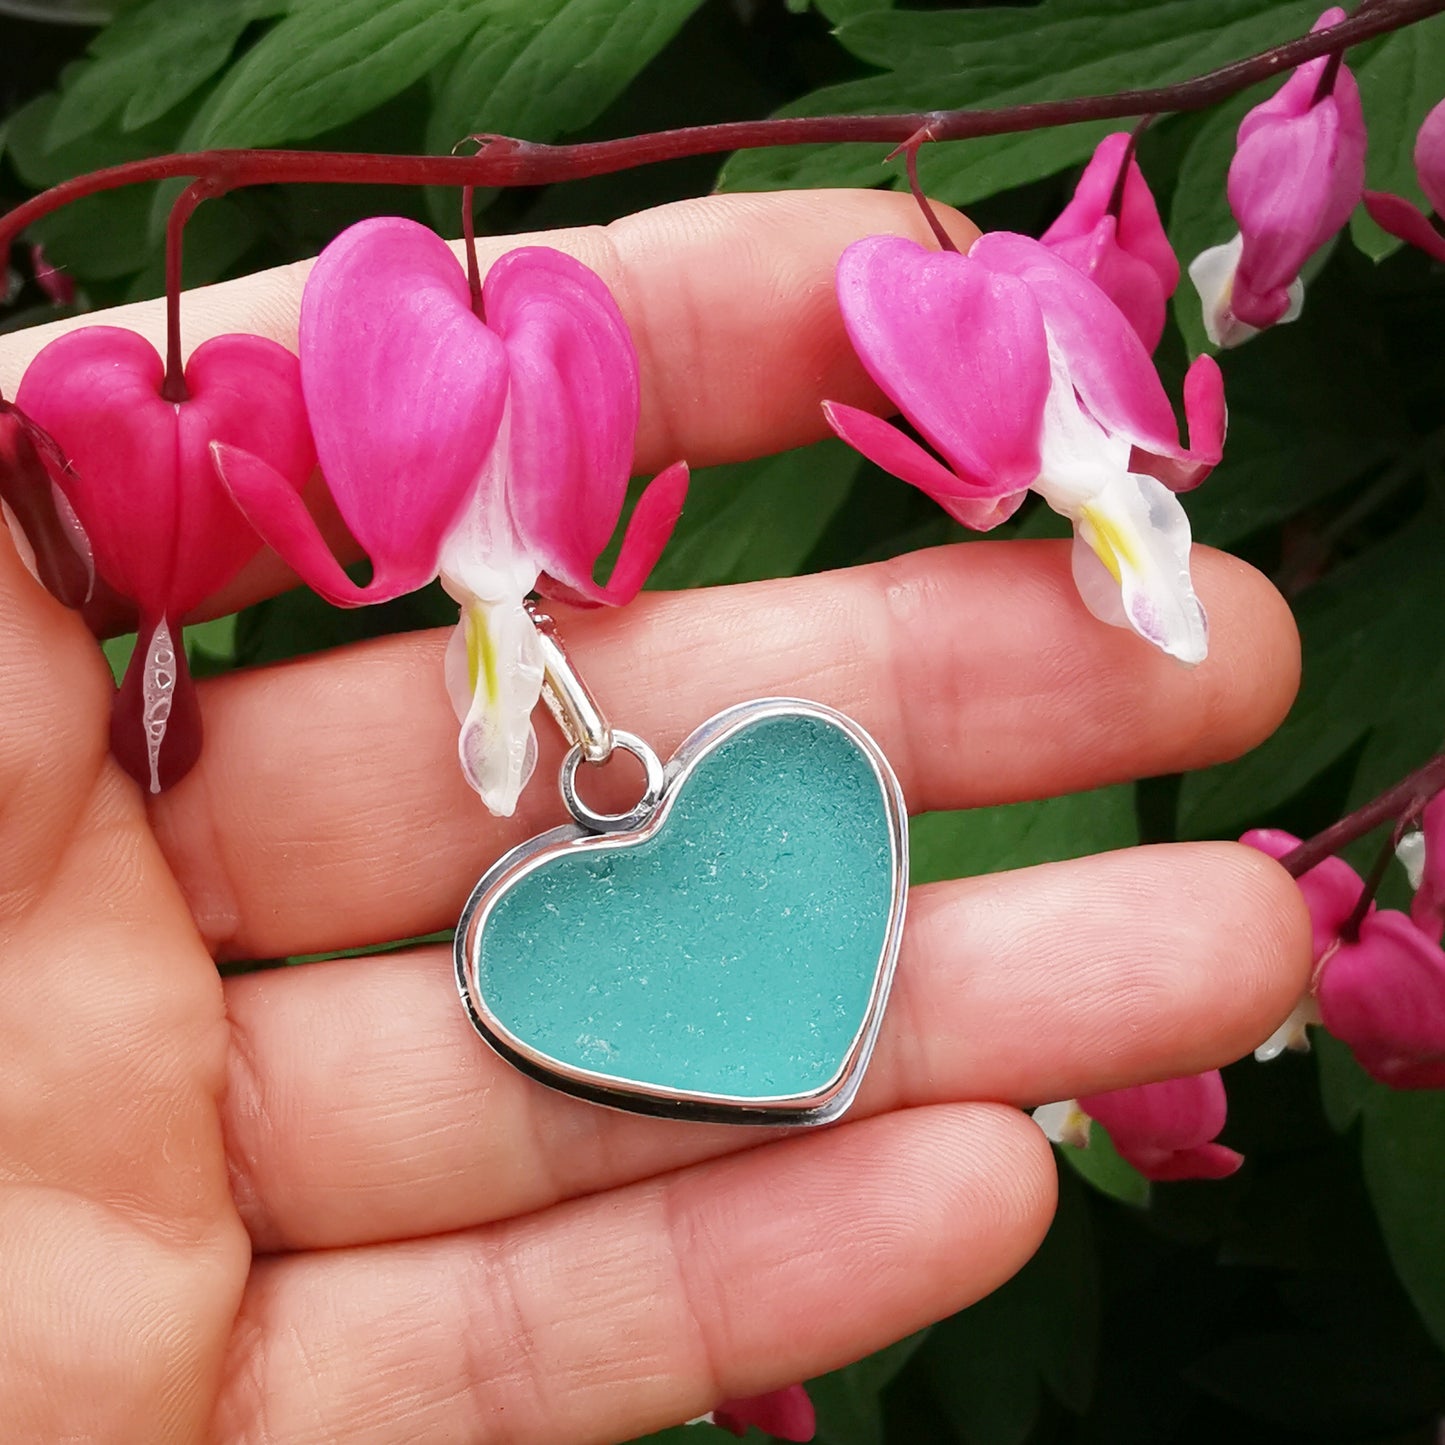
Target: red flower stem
{"x":1116,"y":196}
{"x":910,"y":149}
{"x":1328,"y":76}
{"x":1396,"y":804}
{"x":1350,"y":928}
{"x":504,"y":161}
{"x":173,"y":388}
{"x":469,"y":235}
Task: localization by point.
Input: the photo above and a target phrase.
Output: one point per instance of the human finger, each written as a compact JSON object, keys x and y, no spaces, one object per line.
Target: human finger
{"x":1046,"y":983}
{"x":328,"y":810}
{"x":604,"y":1318}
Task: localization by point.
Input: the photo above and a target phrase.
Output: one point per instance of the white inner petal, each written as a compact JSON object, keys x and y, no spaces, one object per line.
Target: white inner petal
{"x":1411,"y":852}
{"x":158,"y":690}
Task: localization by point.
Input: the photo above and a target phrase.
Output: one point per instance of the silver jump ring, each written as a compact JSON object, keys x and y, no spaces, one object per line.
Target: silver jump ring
{"x":640,"y":812}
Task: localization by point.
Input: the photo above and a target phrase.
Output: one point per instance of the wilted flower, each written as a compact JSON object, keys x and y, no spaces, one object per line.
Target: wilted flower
{"x":1164,"y":1130}
{"x":1297,"y":173}
{"x":139,"y":474}
{"x":1023,"y":375}
{"x":492,"y":452}
{"x":1111,"y":231}
{"x":1395,"y":214}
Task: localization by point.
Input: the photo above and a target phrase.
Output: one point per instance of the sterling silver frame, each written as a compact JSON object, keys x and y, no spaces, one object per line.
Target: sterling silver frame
{"x":820,"y":1106}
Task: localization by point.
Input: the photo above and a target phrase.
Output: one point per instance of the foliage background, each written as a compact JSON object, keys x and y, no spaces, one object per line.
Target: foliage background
{"x":1303,"y":1300}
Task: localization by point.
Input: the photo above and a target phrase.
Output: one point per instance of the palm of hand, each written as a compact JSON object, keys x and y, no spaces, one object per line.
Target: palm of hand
{"x":309,"y":1206}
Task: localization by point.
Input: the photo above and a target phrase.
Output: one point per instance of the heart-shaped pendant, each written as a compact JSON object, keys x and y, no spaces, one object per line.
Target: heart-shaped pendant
{"x":724,"y":950}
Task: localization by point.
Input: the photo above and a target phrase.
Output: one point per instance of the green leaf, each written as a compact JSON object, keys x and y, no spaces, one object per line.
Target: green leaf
{"x":758,"y":519}
{"x":847,"y":1401}
{"x":1300,"y":424}
{"x":1364,"y":649}
{"x":1016,"y":835}
{"x":1344,"y":1085}
{"x":989,"y":1364}
{"x":1399,"y":84}
{"x":1004,"y":56}
{"x":1403,"y":1152}
{"x":546,"y":68}
{"x":328,"y":62}
{"x":1100,"y":1166}
{"x":149,"y":60}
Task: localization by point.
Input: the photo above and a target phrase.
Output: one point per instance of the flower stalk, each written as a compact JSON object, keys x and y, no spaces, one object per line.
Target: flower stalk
{"x":506,"y":161}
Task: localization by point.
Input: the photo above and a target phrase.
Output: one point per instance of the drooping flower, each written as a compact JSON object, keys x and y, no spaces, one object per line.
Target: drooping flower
{"x":786,"y":1414}
{"x":140,"y":477}
{"x":1331,"y":891}
{"x":492,"y":450}
{"x":1425,"y":862}
{"x":51,"y":539}
{"x":1396,"y":215}
{"x":1382,"y":991}
{"x":1111,"y":231}
{"x":1297,"y":173}
{"x":1166,"y":1130}
{"x":1383,"y":994}
{"x":1022,"y":375}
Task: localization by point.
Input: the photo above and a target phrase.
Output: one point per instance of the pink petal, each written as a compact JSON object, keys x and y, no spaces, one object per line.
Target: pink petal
{"x":648,"y":531}
{"x":405,"y":388}
{"x":962,"y":353}
{"x":785,"y":1414}
{"x":1181,"y":469}
{"x":1397,"y":216}
{"x":279,"y":516}
{"x":1137,"y":232}
{"x":1331,"y":889}
{"x":975,"y":506}
{"x":1166,"y":1130}
{"x":1107,"y":362}
{"x":1130,"y":283}
{"x":58,"y":285}
{"x":1384,"y":996}
{"x":31,"y":467}
{"x":1430,"y":158}
{"x":573,"y":402}
{"x":141,"y":480}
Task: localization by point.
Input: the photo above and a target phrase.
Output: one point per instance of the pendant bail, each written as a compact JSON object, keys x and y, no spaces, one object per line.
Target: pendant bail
{"x":567,"y":696}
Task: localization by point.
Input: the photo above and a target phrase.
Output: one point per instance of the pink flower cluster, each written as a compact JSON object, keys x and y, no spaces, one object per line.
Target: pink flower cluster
{"x":1379,"y":982}
{"x":487,"y":445}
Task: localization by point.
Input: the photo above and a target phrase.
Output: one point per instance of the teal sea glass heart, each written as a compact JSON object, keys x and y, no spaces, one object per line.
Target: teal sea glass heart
{"x":729,"y":956}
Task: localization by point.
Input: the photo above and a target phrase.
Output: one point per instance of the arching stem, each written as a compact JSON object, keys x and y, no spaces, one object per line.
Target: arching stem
{"x":173,"y":388}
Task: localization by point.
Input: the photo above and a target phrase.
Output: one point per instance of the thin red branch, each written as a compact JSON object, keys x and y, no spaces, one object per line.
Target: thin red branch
{"x":1401,"y":802}
{"x":173,"y":388}
{"x":504,"y":161}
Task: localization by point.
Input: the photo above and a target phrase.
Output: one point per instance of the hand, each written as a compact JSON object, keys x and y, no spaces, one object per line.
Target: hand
{"x":309,"y":1205}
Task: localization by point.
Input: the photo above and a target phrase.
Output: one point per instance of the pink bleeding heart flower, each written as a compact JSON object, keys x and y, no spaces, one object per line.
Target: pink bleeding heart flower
{"x":1297,"y":173}
{"x":1111,"y":231}
{"x":1395,"y":214}
{"x":492,"y":450}
{"x":43,"y":523}
{"x":1331,"y":892}
{"x":1166,"y":1131}
{"x":1383,"y":994}
{"x":58,"y":285}
{"x":143,"y":486}
{"x":784,"y":1414}
{"x":1022,"y":375}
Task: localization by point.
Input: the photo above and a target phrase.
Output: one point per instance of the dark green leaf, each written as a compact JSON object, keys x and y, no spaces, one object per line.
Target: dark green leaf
{"x":1101,"y":1166}
{"x":149,"y":60}
{"x":1007,"y":55}
{"x":1364,"y":648}
{"x":989,"y":1364}
{"x":328,"y":62}
{"x":1404,"y":1160}
{"x":759,"y":519}
{"x":1399,"y":84}
{"x":847,"y":1401}
{"x":549,"y":67}
{"x":988,"y":840}
{"x":1344,"y":1085}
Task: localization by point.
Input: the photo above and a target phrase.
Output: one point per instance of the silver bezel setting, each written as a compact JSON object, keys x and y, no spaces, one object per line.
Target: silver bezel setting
{"x":819,"y":1106}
